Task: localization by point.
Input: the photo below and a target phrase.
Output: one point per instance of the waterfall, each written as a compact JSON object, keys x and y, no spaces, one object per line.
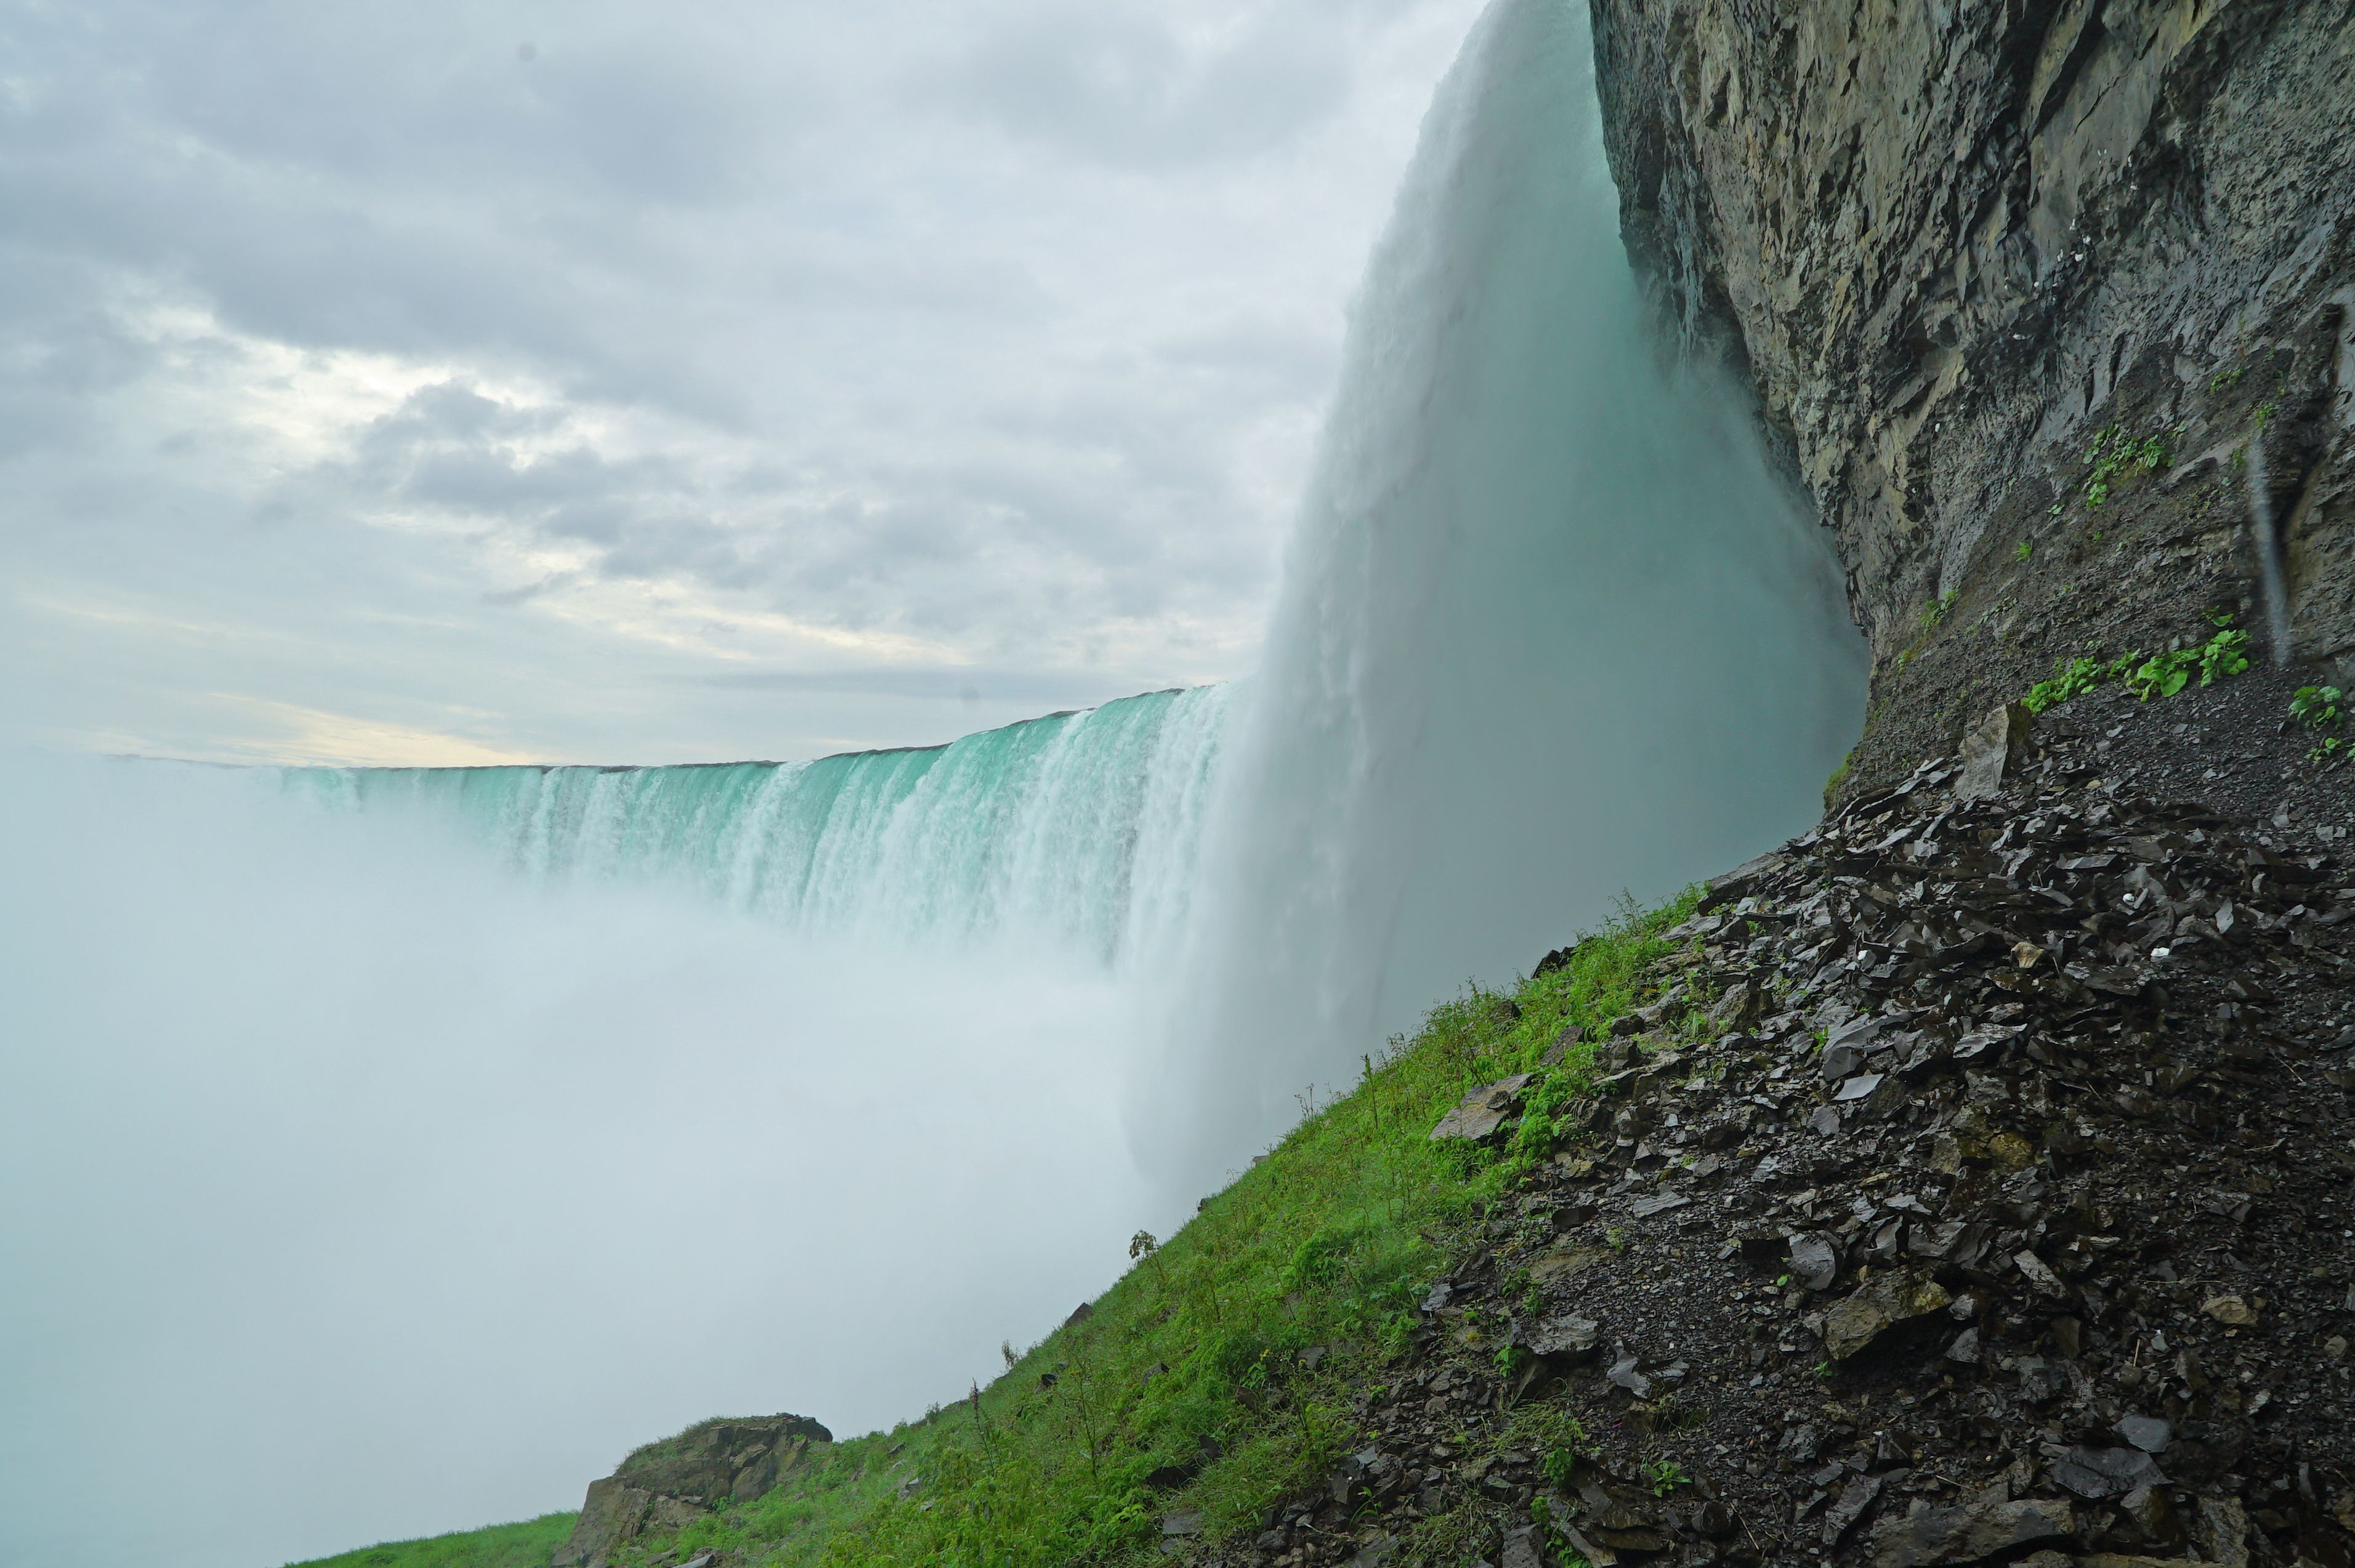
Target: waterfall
{"x":388,"y":1189}
{"x":1549,"y":628}
{"x":1078,"y":829}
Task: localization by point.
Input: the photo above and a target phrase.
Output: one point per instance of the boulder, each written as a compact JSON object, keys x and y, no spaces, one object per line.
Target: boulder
{"x":1993,"y":752}
{"x":1856,"y":1322}
{"x":1479,"y":1113}
{"x":1971,"y":1532}
{"x":668,"y":1484}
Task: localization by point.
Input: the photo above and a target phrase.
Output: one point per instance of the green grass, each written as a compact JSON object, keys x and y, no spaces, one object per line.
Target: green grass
{"x":526,"y":1545}
{"x":1194,"y":1358}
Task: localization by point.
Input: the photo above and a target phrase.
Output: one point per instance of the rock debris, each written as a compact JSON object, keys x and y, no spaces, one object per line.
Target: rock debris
{"x":2001,"y":1210}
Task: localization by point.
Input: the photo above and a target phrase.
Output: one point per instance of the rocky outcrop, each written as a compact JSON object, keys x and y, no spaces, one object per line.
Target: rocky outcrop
{"x":2044,"y":301}
{"x":666,"y":1485}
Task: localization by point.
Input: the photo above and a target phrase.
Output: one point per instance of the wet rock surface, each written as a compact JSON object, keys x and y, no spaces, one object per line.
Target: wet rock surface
{"x":2013,"y":1222}
{"x":2036,"y":299}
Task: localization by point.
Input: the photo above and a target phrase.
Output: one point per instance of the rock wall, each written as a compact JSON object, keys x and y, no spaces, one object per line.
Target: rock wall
{"x":2041,"y":300}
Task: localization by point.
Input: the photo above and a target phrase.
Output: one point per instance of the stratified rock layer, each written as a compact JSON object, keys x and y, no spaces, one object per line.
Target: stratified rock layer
{"x":2029,"y":292}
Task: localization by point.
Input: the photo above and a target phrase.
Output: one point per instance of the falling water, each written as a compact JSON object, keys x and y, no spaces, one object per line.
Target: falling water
{"x":1548,"y":628}
{"x":2269,"y":562}
{"x":1078,"y":829}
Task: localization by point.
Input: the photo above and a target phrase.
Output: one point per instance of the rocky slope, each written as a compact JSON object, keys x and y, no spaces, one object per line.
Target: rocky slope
{"x":2000,"y":1209}
{"x":2046,"y":302}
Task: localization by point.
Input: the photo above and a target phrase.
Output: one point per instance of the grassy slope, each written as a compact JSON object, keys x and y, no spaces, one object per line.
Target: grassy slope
{"x":527,"y":1545}
{"x":1327,"y":1240}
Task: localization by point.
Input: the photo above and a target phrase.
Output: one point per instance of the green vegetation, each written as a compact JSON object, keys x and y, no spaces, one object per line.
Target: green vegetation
{"x":2317,"y":708}
{"x":1839,"y":777}
{"x":2224,"y":378}
{"x":1666,"y":1476}
{"x":2117,"y":455}
{"x":1935,"y":610}
{"x":526,"y":1545}
{"x":2162,"y":675}
{"x":1216,"y":1377}
{"x":2074,"y":677}
{"x":2025,"y":550}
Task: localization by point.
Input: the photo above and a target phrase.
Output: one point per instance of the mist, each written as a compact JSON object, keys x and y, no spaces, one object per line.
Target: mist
{"x":352,"y":1188}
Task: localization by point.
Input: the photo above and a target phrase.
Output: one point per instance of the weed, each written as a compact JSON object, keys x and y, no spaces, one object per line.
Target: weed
{"x":2161,"y":675}
{"x":2073,"y":678}
{"x":2115,"y":455}
{"x":1935,"y":610}
{"x":2316,"y":707}
{"x":2266,"y":412}
{"x":2224,"y":378}
{"x":1664,"y":1476}
{"x":1463,"y":1534}
{"x":1562,"y":1467}
{"x":2024,"y":551}
{"x":2330,"y":749}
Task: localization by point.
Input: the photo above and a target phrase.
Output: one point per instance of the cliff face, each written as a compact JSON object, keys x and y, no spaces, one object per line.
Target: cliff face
{"x":2030,"y":291}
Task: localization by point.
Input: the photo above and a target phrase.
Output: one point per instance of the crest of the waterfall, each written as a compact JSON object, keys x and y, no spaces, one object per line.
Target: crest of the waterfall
{"x":1077,"y":830}
{"x":1548,"y":627}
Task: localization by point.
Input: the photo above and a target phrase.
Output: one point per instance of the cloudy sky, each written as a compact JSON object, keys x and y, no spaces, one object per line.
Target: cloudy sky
{"x":594,"y":383}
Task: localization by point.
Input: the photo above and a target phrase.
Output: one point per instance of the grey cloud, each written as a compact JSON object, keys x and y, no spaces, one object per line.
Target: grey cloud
{"x":748,"y":311}
{"x":1118,"y":83}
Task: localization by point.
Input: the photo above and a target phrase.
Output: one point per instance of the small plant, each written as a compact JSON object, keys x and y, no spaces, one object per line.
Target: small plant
{"x":2163,"y":675}
{"x":2075,"y":678}
{"x":2328,"y":750}
{"x":2115,"y":455}
{"x":1557,"y":1543}
{"x":1665,"y":1476}
{"x":1615,"y":1238}
{"x":1935,"y":610}
{"x":1562,"y":1467}
{"x":2025,"y":550}
{"x":2226,"y":654}
{"x":2224,"y":378}
{"x":2316,"y":707}
{"x":2266,"y":412}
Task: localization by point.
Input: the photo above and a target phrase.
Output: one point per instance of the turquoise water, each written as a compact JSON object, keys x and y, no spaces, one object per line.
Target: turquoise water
{"x":1077,"y":828}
